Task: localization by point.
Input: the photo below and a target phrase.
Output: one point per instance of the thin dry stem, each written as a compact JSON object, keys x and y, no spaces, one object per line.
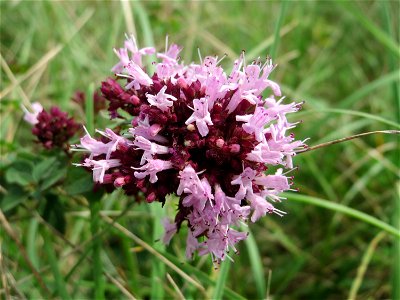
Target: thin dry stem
{"x":7,"y":227}
{"x":176,"y":288}
{"x":150,"y":249}
{"x":345,"y":139}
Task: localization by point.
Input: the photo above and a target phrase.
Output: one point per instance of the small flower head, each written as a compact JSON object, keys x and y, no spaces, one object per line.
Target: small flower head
{"x":32,"y":117}
{"x":201,"y":133}
{"x":52,"y":128}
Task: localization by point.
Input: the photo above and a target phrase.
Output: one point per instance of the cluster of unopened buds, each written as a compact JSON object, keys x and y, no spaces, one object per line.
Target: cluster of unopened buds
{"x":52,"y":128}
{"x":201,"y":134}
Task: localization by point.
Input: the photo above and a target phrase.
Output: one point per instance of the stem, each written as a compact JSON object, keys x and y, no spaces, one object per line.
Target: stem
{"x":362,"y":268}
{"x":278,"y":26}
{"x":89,"y":109}
{"x":345,"y":139}
{"x":396,"y":246}
{"x":61,"y":289}
{"x":222,"y":276}
{"x":96,"y":247}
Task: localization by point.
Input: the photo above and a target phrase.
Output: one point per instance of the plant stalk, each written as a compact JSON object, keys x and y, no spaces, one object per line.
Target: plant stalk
{"x":345,"y":139}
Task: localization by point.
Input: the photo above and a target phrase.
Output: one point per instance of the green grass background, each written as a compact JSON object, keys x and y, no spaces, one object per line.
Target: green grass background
{"x":341,"y":57}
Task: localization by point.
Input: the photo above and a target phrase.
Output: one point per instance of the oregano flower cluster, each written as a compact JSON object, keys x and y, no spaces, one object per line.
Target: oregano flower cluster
{"x":201,"y":133}
{"x":53,"y":128}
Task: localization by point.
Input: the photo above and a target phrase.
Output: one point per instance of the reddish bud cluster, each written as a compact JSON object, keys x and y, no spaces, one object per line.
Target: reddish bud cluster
{"x":54,"y":128}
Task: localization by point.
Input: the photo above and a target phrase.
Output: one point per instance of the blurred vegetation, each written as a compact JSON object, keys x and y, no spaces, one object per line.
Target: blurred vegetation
{"x":342,"y":58}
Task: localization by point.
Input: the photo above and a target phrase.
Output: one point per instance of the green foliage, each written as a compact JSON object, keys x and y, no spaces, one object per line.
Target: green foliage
{"x":341,"y":58}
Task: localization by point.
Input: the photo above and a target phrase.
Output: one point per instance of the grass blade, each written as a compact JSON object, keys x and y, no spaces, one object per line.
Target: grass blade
{"x":222,"y":276}
{"x":256,"y":264}
{"x":379,"y":34}
{"x":364,"y":264}
{"x":89,"y":109}
{"x":61,"y":289}
{"x":260,"y":48}
{"x":345,"y":210}
{"x":204,"y":278}
{"x":278,"y":26}
{"x":154,"y":252}
{"x":393,"y":60}
{"x":387,"y":79}
{"x":30,"y":242}
{"x":145,"y":26}
{"x":396,"y":246}
{"x":95,"y":206}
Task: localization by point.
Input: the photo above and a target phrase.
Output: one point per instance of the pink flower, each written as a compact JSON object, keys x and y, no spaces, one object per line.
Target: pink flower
{"x":255,"y":122}
{"x":31,"y":117}
{"x":136,"y":54}
{"x":150,"y":132}
{"x":149,"y":148}
{"x":198,"y":197}
{"x":191,"y":245}
{"x":97,"y":148}
{"x":161,"y":100}
{"x":245,"y":182}
{"x":189,"y":182}
{"x":200,"y":133}
{"x":261,"y":207}
{"x":100,"y":167}
{"x":201,"y":116}
{"x":170,"y":230}
{"x":278,"y":182}
{"x":170,"y":56}
{"x":151,"y":169}
{"x":138,"y":76}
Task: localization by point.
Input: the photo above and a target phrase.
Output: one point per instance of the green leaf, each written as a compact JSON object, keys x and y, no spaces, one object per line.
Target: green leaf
{"x":384,"y":38}
{"x":51,"y":180}
{"x":54,"y":212}
{"x":15,"y":195}
{"x":78,"y":181}
{"x":20,"y":173}
{"x":43,"y":169}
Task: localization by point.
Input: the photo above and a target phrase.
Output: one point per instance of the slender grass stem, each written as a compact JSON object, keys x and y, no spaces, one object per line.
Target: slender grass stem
{"x":145,"y":26}
{"x":278,"y":26}
{"x":345,"y":139}
{"x":61,"y":289}
{"x":396,"y":246}
{"x":89,"y":109}
{"x":96,"y":248}
{"x":364,"y":265}
{"x":393,"y":65}
{"x":95,"y":206}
